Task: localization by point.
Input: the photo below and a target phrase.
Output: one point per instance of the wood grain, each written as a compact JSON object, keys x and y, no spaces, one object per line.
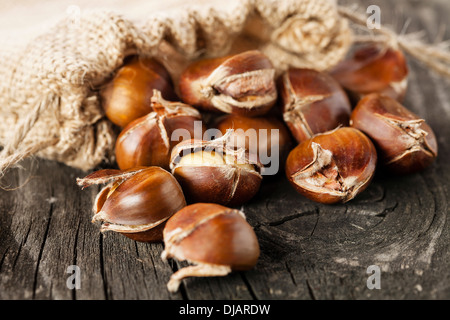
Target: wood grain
{"x":308,"y":250}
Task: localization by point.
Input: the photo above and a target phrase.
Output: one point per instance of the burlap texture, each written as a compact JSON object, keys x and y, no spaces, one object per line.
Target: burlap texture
{"x":49,"y":102}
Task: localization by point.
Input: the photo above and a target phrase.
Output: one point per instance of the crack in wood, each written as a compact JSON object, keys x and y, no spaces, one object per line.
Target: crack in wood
{"x":102,"y":267}
{"x":41,"y":250}
{"x":275,"y":223}
{"x":288,"y":268}
{"x":248,"y":286}
{"x":386,"y":211}
{"x":3,"y":258}
{"x":310,"y":290}
{"x":75,"y":255}
{"x":174,"y":265}
{"x":21,"y":245}
{"x":315,"y":225}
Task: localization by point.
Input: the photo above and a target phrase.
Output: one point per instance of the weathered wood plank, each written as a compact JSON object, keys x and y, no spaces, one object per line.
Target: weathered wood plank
{"x":308,"y":250}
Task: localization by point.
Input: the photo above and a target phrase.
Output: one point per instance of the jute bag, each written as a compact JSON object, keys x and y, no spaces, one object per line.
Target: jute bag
{"x":49,"y":102}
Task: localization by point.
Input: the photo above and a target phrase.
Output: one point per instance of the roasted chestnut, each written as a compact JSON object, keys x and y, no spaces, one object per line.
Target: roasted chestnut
{"x":147,"y":141}
{"x":216,"y":239}
{"x":405,"y":143}
{"x":127,"y":95}
{"x":374,"y":69}
{"x":135,"y":202}
{"x":211,"y":171}
{"x":243,"y":83}
{"x":332,"y":167}
{"x":267,"y":137}
{"x":312,"y":102}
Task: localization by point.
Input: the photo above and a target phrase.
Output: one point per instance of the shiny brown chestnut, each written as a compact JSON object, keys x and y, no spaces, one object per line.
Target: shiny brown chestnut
{"x":312,"y":102}
{"x":147,"y":141}
{"x":263,"y":136}
{"x":211,"y":171}
{"x":405,"y":143}
{"x":332,"y":167}
{"x":243,"y":84}
{"x":127,"y":96}
{"x":135,"y":202}
{"x":216,"y":239}
{"x":374,"y":69}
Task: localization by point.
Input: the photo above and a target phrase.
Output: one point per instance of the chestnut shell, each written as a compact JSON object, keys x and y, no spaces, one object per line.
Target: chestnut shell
{"x":332,"y":167}
{"x":312,"y":102}
{"x":224,"y":184}
{"x":127,"y":95}
{"x":405,"y":142}
{"x":212,"y":234}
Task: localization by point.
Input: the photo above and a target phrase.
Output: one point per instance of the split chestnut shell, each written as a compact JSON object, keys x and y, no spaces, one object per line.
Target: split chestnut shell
{"x":313,"y":102}
{"x":243,"y":83}
{"x":135,"y":202}
{"x":332,"y":167}
{"x":215,"y":238}
{"x":405,"y":142}
{"x":148,"y":140}
{"x":210,"y":171}
{"x":374,"y":69}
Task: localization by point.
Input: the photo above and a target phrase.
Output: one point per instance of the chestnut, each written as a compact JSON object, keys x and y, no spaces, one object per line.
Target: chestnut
{"x":267,"y":137}
{"x":405,"y":142}
{"x":215,"y":238}
{"x":332,"y":167}
{"x":135,"y":202}
{"x":147,"y":141}
{"x":374,"y":69}
{"x":211,"y":171}
{"x":127,"y":95}
{"x":243,"y":83}
{"x":312,"y":102}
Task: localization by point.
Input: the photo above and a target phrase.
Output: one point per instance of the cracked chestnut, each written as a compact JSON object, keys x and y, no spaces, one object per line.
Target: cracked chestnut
{"x":216,"y":239}
{"x":211,"y":171}
{"x":266,"y":137}
{"x":312,"y":102}
{"x":147,"y":141}
{"x":405,"y":142}
{"x":332,"y":167}
{"x":127,"y":95}
{"x":374,"y":69}
{"x":243,"y":83}
{"x":135,"y":202}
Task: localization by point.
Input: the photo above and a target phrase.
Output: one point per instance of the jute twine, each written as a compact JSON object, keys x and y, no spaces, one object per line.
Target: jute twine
{"x":49,"y":102}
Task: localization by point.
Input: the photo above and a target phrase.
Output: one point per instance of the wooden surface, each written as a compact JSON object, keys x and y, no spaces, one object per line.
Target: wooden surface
{"x":308,"y":250}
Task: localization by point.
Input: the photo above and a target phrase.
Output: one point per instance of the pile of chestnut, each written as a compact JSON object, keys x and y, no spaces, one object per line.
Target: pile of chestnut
{"x":183,"y":191}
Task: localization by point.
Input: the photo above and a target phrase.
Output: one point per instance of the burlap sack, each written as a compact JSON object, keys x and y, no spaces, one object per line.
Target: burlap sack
{"x":49,"y":102}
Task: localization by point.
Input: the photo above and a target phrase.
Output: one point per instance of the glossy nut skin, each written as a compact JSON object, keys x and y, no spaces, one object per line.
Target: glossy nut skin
{"x":147,"y":141}
{"x":242,"y":84}
{"x":312,"y":102}
{"x":405,"y":143}
{"x":374,"y":69}
{"x":332,"y":167}
{"x":215,"y":238}
{"x":127,"y":95}
{"x":216,"y":173}
{"x":135,"y":202}
{"x":254,"y":141}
